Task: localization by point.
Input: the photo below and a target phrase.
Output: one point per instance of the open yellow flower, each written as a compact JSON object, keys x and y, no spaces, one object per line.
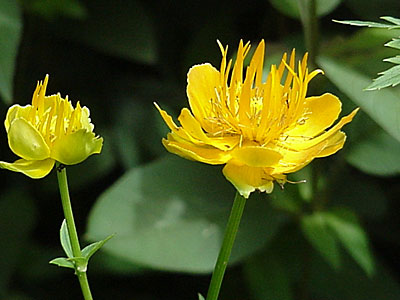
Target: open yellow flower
{"x":49,"y":130}
{"x":260,"y":130}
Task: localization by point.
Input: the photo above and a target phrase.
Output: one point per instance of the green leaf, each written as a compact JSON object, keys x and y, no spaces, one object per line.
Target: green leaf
{"x":290,"y":7}
{"x":201,"y":296}
{"x":65,"y":241}
{"x":390,"y":77}
{"x":50,"y":9}
{"x":395,"y":43}
{"x":63,"y":262}
{"x":17,"y":220}
{"x":391,"y":20}
{"x":171,"y":215}
{"x":120,"y":28}
{"x":394,"y":60}
{"x":267,"y":277}
{"x":348,"y":230}
{"x":316,"y":230}
{"x":377,"y":154}
{"x":350,"y":282}
{"x":10,"y":35}
{"x":91,"y":249}
{"x":382,"y":106}
{"x":367,"y":24}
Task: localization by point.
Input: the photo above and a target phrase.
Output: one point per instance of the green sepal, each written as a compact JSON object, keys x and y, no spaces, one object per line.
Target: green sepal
{"x":91,"y":249}
{"x":201,"y":297}
{"x":65,"y":241}
{"x":63,"y":262}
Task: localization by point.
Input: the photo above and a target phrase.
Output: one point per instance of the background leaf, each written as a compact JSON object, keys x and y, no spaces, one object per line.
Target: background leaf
{"x":353,"y":237}
{"x":382,"y":106}
{"x":377,"y":154}
{"x":10,"y":35}
{"x":316,"y":230}
{"x":291,"y":9}
{"x":168,"y":220}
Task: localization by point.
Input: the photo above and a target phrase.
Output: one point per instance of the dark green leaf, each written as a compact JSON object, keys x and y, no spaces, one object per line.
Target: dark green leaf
{"x":63,"y":262}
{"x":348,"y":230}
{"x":377,"y":154}
{"x":50,"y":9}
{"x":91,"y":249}
{"x":171,"y":215}
{"x":267,"y":277}
{"x":323,"y":239}
{"x":17,"y":220}
{"x":350,"y":282}
{"x":382,"y":106}
{"x":120,"y":28}
{"x":65,"y":241}
{"x":10,"y":34}
{"x":291,"y":8}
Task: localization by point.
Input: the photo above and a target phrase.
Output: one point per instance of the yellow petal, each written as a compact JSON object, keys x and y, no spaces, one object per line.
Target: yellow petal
{"x":32,"y":168}
{"x":301,"y":144}
{"x":247,"y":179}
{"x":293,"y":161}
{"x":16,"y":111}
{"x":319,"y":113}
{"x":26,"y":141}
{"x":205,"y":154}
{"x":196,"y":134}
{"x":256,"y":156}
{"x":202,"y":82}
{"x":76,"y":147}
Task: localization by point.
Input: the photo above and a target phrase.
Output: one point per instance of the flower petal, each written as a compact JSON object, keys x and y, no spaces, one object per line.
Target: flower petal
{"x":202,"y":82}
{"x":319,"y":113}
{"x":247,"y":179}
{"x":256,"y":156}
{"x":300,"y":144}
{"x":14,"y":112}
{"x":33,"y":168}
{"x":76,"y":147}
{"x":206,"y":154}
{"x":293,"y":161}
{"x":26,"y":141}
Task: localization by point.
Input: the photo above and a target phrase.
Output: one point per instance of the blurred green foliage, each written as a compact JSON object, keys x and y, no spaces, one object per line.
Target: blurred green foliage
{"x":335,"y":237}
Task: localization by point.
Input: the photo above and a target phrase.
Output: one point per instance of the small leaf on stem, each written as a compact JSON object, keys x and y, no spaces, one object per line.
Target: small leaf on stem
{"x":64,"y":238}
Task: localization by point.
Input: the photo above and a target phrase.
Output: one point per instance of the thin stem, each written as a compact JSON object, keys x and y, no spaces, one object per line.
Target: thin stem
{"x":308,"y":15}
{"x":226,"y":248}
{"x":73,"y":235}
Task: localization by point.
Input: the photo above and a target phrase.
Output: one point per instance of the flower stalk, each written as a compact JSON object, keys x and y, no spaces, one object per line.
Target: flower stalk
{"x":226,"y":248}
{"x":73,"y":235}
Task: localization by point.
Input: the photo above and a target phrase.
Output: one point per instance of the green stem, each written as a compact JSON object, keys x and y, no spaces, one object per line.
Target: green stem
{"x":308,"y":15}
{"x":73,"y":235}
{"x":226,"y":248}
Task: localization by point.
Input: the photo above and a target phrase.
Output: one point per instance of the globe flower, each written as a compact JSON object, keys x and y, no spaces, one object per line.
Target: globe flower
{"x":261,"y":130}
{"x":49,"y":130}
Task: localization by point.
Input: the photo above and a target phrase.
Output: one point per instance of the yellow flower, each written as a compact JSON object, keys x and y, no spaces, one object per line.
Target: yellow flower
{"x":49,"y":130}
{"x":261,"y":130}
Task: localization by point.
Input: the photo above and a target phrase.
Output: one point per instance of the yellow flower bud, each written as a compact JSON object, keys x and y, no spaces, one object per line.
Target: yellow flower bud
{"x":49,"y":130}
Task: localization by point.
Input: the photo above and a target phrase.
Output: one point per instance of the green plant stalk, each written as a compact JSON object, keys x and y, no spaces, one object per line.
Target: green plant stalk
{"x":309,"y":20}
{"x":226,"y":248}
{"x":73,"y":235}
